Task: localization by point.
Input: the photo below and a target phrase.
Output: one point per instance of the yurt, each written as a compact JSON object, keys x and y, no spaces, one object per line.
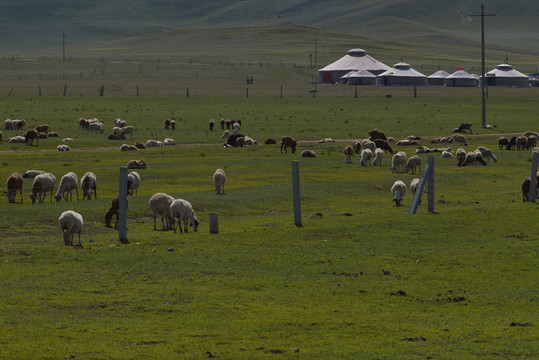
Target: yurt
{"x":401,"y":74}
{"x":461,"y":78}
{"x":361,"y":77}
{"x":437,"y":78}
{"x":505,"y":75}
{"x":354,"y":60}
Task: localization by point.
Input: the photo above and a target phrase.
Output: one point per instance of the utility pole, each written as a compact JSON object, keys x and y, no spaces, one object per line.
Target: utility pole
{"x":64,"y":47}
{"x":483,"y":79}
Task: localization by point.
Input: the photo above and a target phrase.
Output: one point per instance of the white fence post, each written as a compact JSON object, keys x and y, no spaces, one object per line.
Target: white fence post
{"x":295,"y":188}
{"x":533,"y":182}
{"x":122,"y":214}
{"x":426,"y":177}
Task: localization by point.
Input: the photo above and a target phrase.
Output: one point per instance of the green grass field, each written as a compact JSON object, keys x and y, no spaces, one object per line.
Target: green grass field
{"x":360,"y":279}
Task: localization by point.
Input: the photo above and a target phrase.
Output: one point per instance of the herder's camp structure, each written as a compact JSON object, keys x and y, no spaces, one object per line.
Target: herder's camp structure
{"x":505,"y":75}
{"x":461,"y":78}
{"x":438,"y":78}
{"x":401,"y":74}
{"x":361,"y":77}
{"x":354,"y":60}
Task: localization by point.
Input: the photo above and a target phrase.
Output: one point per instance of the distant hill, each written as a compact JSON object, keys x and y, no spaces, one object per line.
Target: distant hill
{"x":36,"y":24}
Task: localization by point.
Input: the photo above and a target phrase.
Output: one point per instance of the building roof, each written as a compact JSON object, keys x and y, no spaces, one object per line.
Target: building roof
{"x":358,"y":74}
{"x":356,"y":59}
{"x":440,"y":74}
{"x":506,"y":70}
{"x":402,"y":70}
{"x":461,"y":74}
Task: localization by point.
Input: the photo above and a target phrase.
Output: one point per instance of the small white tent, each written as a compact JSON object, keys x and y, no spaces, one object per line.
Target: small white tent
{"x":401,"y":74}
{"x":505,"y":75}
{"x":361,"y":77}
{"x":437,"y":78}
{"x":354,"y":60}
{"x":461,"y":78}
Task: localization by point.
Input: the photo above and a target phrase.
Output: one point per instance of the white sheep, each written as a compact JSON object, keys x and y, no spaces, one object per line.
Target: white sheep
{"x":225,"y":135}
{"x":398,"y":190}
{"x":183,"y":210}
{"x":70,"y":223}
{"x":153,"y":143}
{"x":460,"y":139}
{"x":117,"y":132}
{"x":356,"y":145}
{"x":412,"y":164}
{"x":160,"y":205}
{"x":447,"y":154}
{"x":366,"y":156}
{"x":88,"y":183}
{"x":42,"y":184}
{"x":169,"y":142}
{"x":397,"y":161}
{"x":378,"y":155}
{"x":219,"y":178}
{"x":128,"y":130}
{"x":368,"y":144}
{"x":68,"y":183}
{"x":62,"y":147}
{"x":32,"y":173}
{"x":96,"y":127}
{"x":413,"y":186}
{"x":250,"y":141}
{"x":487,"y":153}
{"x":127,"y":147}
{"x":133,"y":182}
{"x":236,"y":127}
{"x":16,"y":139}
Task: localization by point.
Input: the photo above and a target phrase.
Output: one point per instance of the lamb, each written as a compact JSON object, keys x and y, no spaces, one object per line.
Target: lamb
{"x":68,"y":182}
{"x":14,"y":184}
{"x":88,"y":183}
{"x":117,"y":133}
{"x":183,"y":210}
{"x":398,"y":190}
{"x":461,"y":156}
{"x":288,"y":142}
{"x":128,"y":130}
{"x":384,"y":145}
{"x":413,"y":186}
{"x":368,"y":144}
{"x":83,"y":123}
{"x":521,"y":142}
{"x":356,"y":145}
{"x":366,"y":156}
{"x":378,"y":155}
{"x":526,"y":183}
{"x":412,"y":164}
{"x":133,"y":182}
{"x":70,"y":223}
{"x":308,"y":153}
{"x":127,"y":147}
{"x":30,"y":136}
{"x":219,"y":178}
{"x":32,"y":174}
{"x":63,"y":147}
{"x":348,"y":151}
{"x":114,"y":209}
{"x":487,"y":153}
{"x":502,"y":141}
{"x":42,"y":184}
{"x":460,"y":139}
{"x":397,"y":161}
{"x":531,"y":142}
{"x":136,"y":164}
{"x":160,"y":205}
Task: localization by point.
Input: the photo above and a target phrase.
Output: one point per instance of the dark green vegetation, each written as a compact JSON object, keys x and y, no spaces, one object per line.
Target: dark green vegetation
{"x":360,"y":279}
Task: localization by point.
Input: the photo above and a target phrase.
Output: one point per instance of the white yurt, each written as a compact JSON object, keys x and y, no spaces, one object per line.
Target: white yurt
{"x":361,"y":77}
{"x":354,"y":60}
{"x":401,"y":74}
{"x":505,"y":75}
{"x":461,"y":78}
{"x":437,"y":78}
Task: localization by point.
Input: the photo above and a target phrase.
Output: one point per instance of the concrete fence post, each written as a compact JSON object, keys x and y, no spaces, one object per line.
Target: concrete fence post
{"x":533,"y":183}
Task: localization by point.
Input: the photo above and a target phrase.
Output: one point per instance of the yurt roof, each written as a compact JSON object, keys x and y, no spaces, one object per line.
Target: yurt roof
{"x":360,"y":73}
{"x":461,"y":74}
{"x":402,"y":69}
{"x":506,"y":70}
{"x":440,"y":74}
{"x":356,"y":59}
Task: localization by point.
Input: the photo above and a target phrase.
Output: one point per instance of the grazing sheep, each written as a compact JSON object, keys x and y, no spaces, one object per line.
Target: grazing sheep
{"x":42,"y":184}
{"x":83,"y":123}
{"x":378,"y":155}
{"x":88,"y":184}
{"x":136,"y":164}
{"x":96,"y":127}
{"x":526,"y":183}
{"x":117,"y":133}
{"x":169,"y":142}
{"x":114,"y":209}
{"x":127,"y":147}
{"x":160,"y":205}
{"x":521,"y":142}
{"x":30,"y":174}
{"x":447,"y":154}
{"x":119,"y":122}
{"x":133,"y":182}
{"x":219,"y":178}
{"x":288,"y":142}
{"x":461,"y":156}
{"x":479,"y":158}
{"x":356,"y":145}
{"x":384,"y":145}
{"x":14,"y":184}
{"x":167,"y":124}
{"x":413,"y":163}
{"x":460,"y":139}
{"x":183,"y":210}
{"x":63,"y":147}
{"x":398,"y":190}
{"x":531,"y":133}
{"x":154,"y":143}
{"x":531,"y":142}
{"x":128,"y":130}
{"x":512,"y":143}
{"x":348,"y":151}
{"x":463,"y":127}
{"x":8,"y":123}
{"x":487,"y":153}
{"x":398,"y":161}
{"x":225,"y":135}
{"x":173,"y":124}
{"x":413,"y":186}
{"x":68,"y":182}
{"x":228,"y":123}
{"x":222,"y":124}
{"x":70,"y":223}
{"x":30,"y":136}
{"x":366,"y":156}
{"x":236,"y":127}
{"x":308,"y":154}
{"x":502,"y":141}
{"x":270,"y":141}
{"x":368,"y":144}
{"x":377,"y":134}
{"x":42,"y":128}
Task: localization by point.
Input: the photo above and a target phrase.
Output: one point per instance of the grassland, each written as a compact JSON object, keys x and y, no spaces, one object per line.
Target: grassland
{"x":360,"y":279}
